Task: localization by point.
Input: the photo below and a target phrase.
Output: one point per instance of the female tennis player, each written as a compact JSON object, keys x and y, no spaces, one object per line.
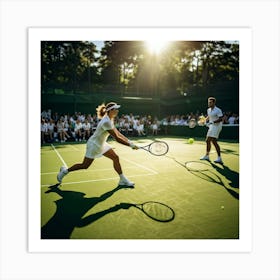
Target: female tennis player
{"x":97,"y":145}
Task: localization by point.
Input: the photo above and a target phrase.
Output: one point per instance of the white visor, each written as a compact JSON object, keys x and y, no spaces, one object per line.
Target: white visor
{"x":115,"y":106}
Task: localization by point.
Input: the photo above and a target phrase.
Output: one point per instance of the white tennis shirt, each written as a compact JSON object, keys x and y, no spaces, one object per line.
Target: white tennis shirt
{"x":214,"y":114}
{"x":101,"y":133}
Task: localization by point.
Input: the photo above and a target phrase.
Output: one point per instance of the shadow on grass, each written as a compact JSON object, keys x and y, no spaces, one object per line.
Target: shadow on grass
{"x":70,"y":210}
{"x":230,"y":151}
{"x":205,"y":170}
{"x":210,"y":176}
{"x":230,"y":174}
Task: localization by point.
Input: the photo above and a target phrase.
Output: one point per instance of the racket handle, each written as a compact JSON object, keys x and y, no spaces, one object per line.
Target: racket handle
{"x":133,"y":146}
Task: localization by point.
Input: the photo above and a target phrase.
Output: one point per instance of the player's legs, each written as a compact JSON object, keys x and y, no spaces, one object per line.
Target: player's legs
{"x":208,"y":145}
{"x":84,"y":165}
{"x":115,"y":158}
{"x":213,"y":140}
{"x":117,"y":166}
{"x":217,"y":146}
{"x":208,"y":148}
{"x":64,"y":171}
{"x":212,"y":136}
{"x":218,"y":149}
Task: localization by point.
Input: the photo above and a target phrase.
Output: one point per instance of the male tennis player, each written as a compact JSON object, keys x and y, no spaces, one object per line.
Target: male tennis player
{"x":215,"y":118}
{"x":97,"y":145}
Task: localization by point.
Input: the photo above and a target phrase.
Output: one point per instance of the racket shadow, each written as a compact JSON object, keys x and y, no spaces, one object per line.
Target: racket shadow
{"x":210,"y":176}
{"x":204,"y":170}
{"x":214,"y":178}
{"x":174,"y":159}
{"x":155,"y":210}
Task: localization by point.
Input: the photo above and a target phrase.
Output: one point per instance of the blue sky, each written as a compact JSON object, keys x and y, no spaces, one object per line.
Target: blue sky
{"x":99,"y":44}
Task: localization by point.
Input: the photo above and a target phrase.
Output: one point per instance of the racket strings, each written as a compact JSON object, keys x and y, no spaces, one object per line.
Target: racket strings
{"x":158,"y":211}
{"x":158,"y":148}
{"x":192,"y":123}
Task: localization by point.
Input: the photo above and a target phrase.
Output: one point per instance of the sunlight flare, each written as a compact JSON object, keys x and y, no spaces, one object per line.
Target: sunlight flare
{"x":156,"y":46}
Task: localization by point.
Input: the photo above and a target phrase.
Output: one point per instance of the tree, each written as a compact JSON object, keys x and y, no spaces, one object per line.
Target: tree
{"x":128,"y":66}
{"x":65,"y":65}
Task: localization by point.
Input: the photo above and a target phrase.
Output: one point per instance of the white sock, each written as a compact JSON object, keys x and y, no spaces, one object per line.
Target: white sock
{"x":122,"y":177}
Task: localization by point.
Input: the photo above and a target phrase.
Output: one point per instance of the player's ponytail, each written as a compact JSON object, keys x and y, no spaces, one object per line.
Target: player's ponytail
{"x":101,"y":111}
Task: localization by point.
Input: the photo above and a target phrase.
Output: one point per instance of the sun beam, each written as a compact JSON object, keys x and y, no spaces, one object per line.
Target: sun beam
{"x":156,"y":46}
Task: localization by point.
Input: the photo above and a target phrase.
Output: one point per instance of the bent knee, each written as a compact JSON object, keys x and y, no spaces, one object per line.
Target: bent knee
{"x":86,"y":166}
{"x":116,"y":157}
{"x":87,"y":163}
{"x":211,"y":139}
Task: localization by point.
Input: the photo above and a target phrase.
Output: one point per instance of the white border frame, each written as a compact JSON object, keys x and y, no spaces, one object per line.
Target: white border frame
{"x":243,"y":35}
{"x":262,"y":16}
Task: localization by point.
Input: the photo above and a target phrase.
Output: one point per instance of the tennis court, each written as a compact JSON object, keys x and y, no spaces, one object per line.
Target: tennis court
{"x":89,"y":204}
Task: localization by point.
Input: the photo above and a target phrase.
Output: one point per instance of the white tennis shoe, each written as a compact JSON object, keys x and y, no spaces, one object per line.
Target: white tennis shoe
{"x":206,"y":157}
{"x":63,"y":171}
{"x":218,"y":160}
{"x":126,"y":182}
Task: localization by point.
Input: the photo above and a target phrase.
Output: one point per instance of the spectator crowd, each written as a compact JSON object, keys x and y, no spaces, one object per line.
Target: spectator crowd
{"x":57,"y":127}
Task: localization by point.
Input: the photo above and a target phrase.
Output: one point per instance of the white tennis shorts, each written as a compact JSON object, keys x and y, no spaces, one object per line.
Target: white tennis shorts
{"x":94,"y":151}
{"x":214,"y":130}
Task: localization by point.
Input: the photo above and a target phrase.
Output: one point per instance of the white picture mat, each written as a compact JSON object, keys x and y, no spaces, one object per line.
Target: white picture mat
{"x":243,"y":35}
{"x":17,"y":263}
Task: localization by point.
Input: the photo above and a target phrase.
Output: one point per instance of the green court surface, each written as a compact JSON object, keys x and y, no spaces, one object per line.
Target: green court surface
{"x":89,"y":204}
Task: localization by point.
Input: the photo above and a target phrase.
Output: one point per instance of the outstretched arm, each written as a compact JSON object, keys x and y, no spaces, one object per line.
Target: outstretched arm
{"x":121,"y":138}
{"x":93,"y":217}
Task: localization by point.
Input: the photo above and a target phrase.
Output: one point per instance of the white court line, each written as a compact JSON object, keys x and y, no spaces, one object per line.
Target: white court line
{"x":60,"y":157}
{"x":104,"y":179}
{"x":74,"y":148}
{"x":93,"y":170}
{"x":141,"y":166}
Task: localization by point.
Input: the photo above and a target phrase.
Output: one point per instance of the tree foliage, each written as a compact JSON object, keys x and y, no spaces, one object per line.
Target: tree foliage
{"x":129,"y":67}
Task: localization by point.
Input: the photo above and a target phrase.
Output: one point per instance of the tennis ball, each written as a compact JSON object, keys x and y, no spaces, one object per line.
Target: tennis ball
{"x":191,"y":140}
{"x":222,"y":207}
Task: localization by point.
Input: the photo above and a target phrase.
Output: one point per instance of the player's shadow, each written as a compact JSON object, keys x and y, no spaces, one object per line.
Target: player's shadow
{"x":230,"y":151}
{"x":206,"y":172}
{"x":231,"y":175}
{"x":211,"y":176}
{"x":70,"y":210}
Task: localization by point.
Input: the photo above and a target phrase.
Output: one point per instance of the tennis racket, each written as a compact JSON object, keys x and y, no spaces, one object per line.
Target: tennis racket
{"x":201,"y":121}
{"x":157,"y":211}
{"x":156,"y":148}
{"x":192,"y":123}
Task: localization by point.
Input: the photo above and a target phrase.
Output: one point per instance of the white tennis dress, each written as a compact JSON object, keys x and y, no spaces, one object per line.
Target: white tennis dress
{"x":96,"y":144}
{"x":214,"y":128}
